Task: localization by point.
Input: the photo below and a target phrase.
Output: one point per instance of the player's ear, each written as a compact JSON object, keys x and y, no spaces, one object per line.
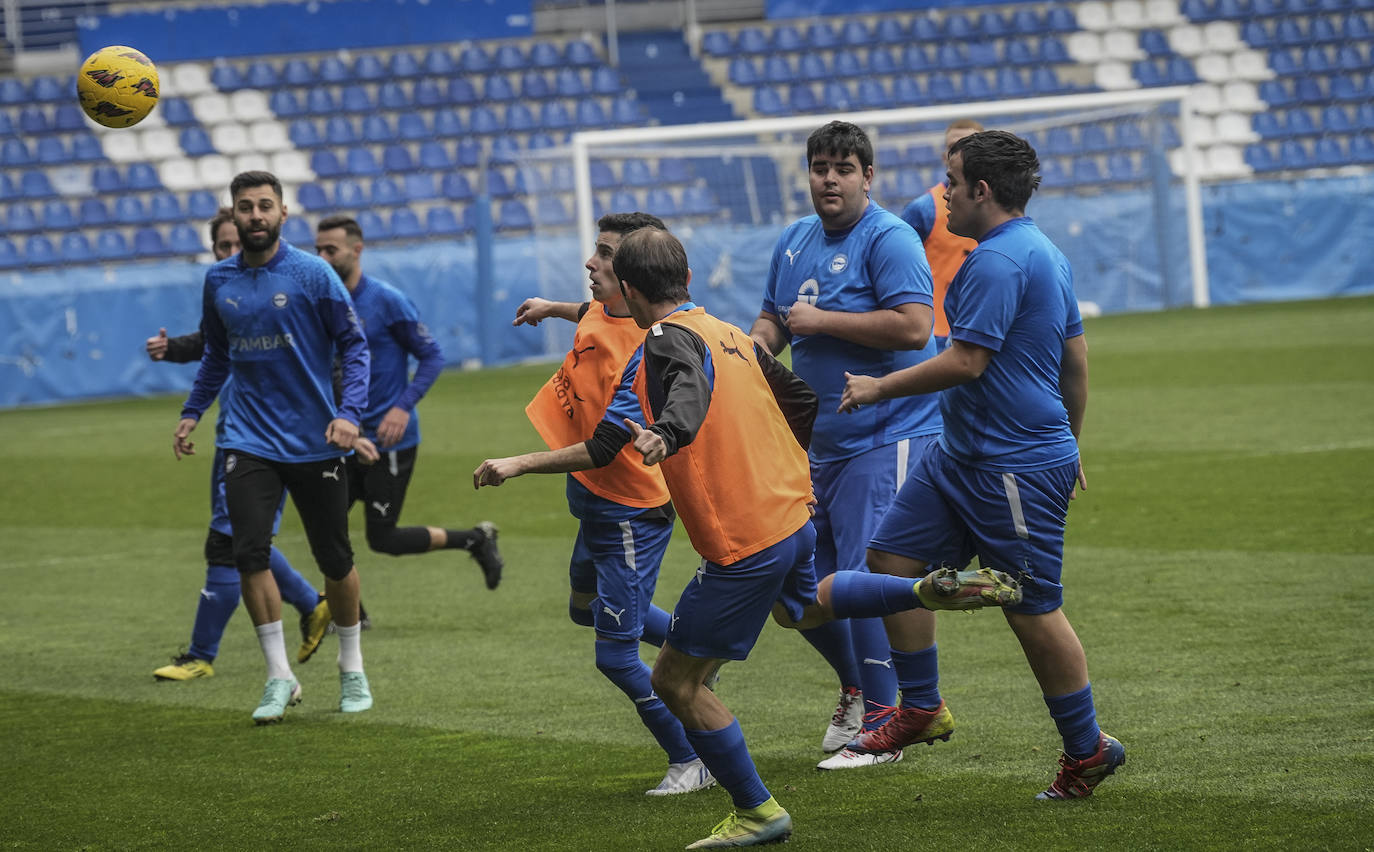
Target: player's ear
{"x":688,"y":282}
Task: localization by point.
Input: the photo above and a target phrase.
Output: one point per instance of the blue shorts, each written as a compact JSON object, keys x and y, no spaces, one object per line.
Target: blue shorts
{"x":219,"y":509}
{"x":852,"y":495}
{"x":724,"y":607}
{"x":949,"y":512}
{"x":619,"y":563}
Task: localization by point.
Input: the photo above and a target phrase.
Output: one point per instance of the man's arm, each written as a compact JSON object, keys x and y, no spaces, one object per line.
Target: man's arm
{"x":185,"y":349}
{"x":905,"y":326}
{"x":416,"y":340}
{"x":214,"y":365}
{"x":676,"y":358}
{"x":565,"y":460}
{"x":962,"y":362}
{"x":769,"y":332}
{"x":1073,"y":381}
{"x":535,"y":309}
{"x":795,"y":398}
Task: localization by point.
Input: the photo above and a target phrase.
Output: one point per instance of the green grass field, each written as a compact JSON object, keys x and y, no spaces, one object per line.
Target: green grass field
{"x":1220,"y":570}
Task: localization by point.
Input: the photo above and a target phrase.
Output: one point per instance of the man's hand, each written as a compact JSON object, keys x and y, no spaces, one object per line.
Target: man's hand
{"x":804,"y":318}
{"x":531,"y":311}
{"x":1082,"y":481}
{"x":366,"y":450}
{"x":393,"y":426}
{"x":341,"y":433}
{"x":157,"y":346}
{"x":180,"y":445}
{"x":648,"y":443}
{"x":858,"y":390}
{"x":496,"y":471}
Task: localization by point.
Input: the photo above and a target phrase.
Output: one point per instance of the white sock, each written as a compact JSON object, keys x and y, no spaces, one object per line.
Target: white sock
{"x":350,"y":647}
{"x":274,"y":650}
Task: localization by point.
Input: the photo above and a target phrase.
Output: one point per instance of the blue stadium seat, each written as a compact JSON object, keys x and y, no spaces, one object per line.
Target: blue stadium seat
{"x":396,"y":158}
{"x":284,"y":104}
{"x":1093,"y":138}
{"x":21,"y":218}
{"x":890,"y":31}
{"x":906,"y":91}
{"x":434,"y":157}
{"x":48,"y":89}
{"x":15,"y":153}
{"x":391,"y":95}
{"x":958,"y":26}
{"x":1122,"y":168}
{"x":1059,"y":141}
{"x":1086,"y":171}
{"x":514,"y":215}
{"x":624,"y":111}
{"x":13,"y":91}
{"x":183,"y":239}
{"x":990,"y":25}
{"x":261,"y":75}
{"x":455,"y":186}
{"x":164,"y":206}
{"x":544,"y":54}
{"x":106,"y":179}
{"x":33,"y":120}
{"x":1352,"y":57}
{"x":519,"y":119}
{"x":377,"y":130}
{"x":1011,"y":83}
{"x":428,"y":93}
{"x":1323,"y":31}
{"x":441,"y":222}
{"x":602,"y":177}
{"x":802,"y":98}
{"x":1024,"y":21}
{"x":484,"y":120}
{"x":142,"y":176}
{"x":787,"y":39}
{"x":411,"y":126}
{"x":715,"y":42}
{"x":635,"y":171}
{"x":149,"y":242}
{"x":472,"y":59}
{"x":855,"y":33}
{"x":355,"y":98}
{"x":312,"y":197}
{"x":320,"y":101}
{"x":940,"y":88}
{"x":303,"y":133}
{"x":1276,"y":94}
{"x":1294,"y":154}
{"x":504,"y":150}
{"x":551,"y":211}
{"x":1053,"y":51}
{"x":880,"y":62}
{"x":402,"y":65}
{"x":129,"y":210}
{"x":1299,"y":123}
{"x":698,"y":201}
{"x":297,"y":72}
{"x":673,"y":170}
{"x":1154,"y":43}
{"x":915,"y":58}
{"x":497,"y":185}
{"x":405,"y":225}
{"x":1354,"y":27}
{"x":497,"y":87}
{"x":1256,"y":34}
{"x":1044,"y":81}
{"x":1052,"y":174}
{"x":1230,"y":10}
{"x":982,"y":54}
{"x":534,"y":85}
{"x":1316,"y":61}
{"x":419,"y":186}
{"x":447,"y":124}
{"x":1350,"y":87}
{"x":111,"y":245}
{"x":9,"y":254}
{"x":461,"y":92}
{"x":196,"y":142}
{"x":226,"y":77}
{"x":175,"y":111}
{"x":92,"y":213}
{"x":340,"y":130}
{"x":778,"y":70}
{"x":297,"y":232}
{"x":580,"y":53}
{"x":1362,"y":148}
{"x":751,"y":40}
{"x":1059,"y":19}
{"x":1017,"y":51}
{"x":1329,"y":151}
{"x":848,"y":64}
{"x":86,"y":148}
{"x":52,"y":150}
{"x":361,"y":162}
{"x":385,"y":192}
{"x":201,"y":204}
{"x":509,"y":58}
{"x":6,"y":123}
{"x":1288,"y":33}
{"x":591,"y":114}
{"x":873,"y":95}
{"x":57,"y":216}
{"x":605,"y":81}
{"x":951,"y":55}
{"x":820,"y":35}
{"x":325,"y":163}
{"x":926,"y":30}
{"x":438,"y":62}
{"x":813,"y":67}
{"x":1308,"y":89}
{"x":39,"y":251}
{"x":768,"y":102}
{"x":348,"y":193}
{"x":836,"y":96}
{"x":542,"y":141}
{"x":742,"y":71}
{"x":468,"y":152}
{"x":569,"y":84}
{"x":75,"y":248}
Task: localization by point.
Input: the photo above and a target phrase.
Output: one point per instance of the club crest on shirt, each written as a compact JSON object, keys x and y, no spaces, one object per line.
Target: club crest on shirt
{"x":838,"y":263}
{"x":279,"y":300}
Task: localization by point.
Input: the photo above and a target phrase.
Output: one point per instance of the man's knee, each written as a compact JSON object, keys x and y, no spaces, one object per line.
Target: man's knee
{"x":580,"y":608}
{"x":881,"y":562}
{"x":395,"y":541}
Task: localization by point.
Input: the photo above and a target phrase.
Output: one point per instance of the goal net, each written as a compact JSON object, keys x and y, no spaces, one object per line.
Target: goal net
{"x":1119,"y":194}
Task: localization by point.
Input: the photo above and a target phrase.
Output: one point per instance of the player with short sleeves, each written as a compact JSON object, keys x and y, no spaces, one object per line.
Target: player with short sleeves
{"x":849,"y":289}
{"x":274,"y":318}
{"x":1013,"y":389}
{"x":395,"y":336}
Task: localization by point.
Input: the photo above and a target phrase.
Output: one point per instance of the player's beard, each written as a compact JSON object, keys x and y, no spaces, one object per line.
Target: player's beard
{"x":255,"y":242}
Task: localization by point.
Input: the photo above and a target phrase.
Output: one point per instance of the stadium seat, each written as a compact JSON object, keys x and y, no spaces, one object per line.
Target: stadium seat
{"x":1122,"y":168}
{"x":165,"y":207}
{"x":35,"y":184}
{"x":49,"y":89}
{"x":916,"y":58}
{"x":873,"y":95}
{"x":1364,"y":115}
{"x":1316,"y":61}
{"x":428,"y":93}
{"x":303,"y":133}
{"x":149,"y":242}
{"x":39,"y":251}
{"x":434,"y":157}
{"x":504,"y":150}
{"x":297,"y":72}
{"x":92,"y":213}
{"x":673,"y":170}
{"x":513,"y":215}
{"x":941,"y":89}
{"x":1011,"y":83}
{"x":926,"y":30}
{"x":392,"y":96}
{"x":1086,"y":171}
{"x":751,"y":40}
{"x":339,"y":130}
{"x":196,"y":142}
{"x":111,"y":245}
{"x":261,"y":75}
{"x":201,"y":204}
{"x":635,"y":171}
{"x":1276,"y":94}
{"x":325,"y":164}
{"x":377,"y":130}
{"x":468,"y":152}
{"x":33,"y":120}
{"x":183,"y":239}
{"x":534,"y":85}
{"x":297,"y":232}
{"x":483,"y":120}
{"x":360,"y":161}
{"x":284,"y":104}
{"x":384,"y":192}
{"x":402,"y":65}
{"x":455,"y":186}
{"x":1362,"y":148}
{"x":836,"y":96}
{"x":1330,"y":152}
{"x":441,"y":222}
{"x":52,"y":150}
{"x":605,"y":81}
{"x":1354,"y":28}
{"x":21,"y":218}
{"x":396,"y":158}
{"x":355,"y":98}
{"x":312,"y":197}
{"x":820,"y":35}
{"x":1017,"y":51}
{"x":9,"y":254}
{"x":906,"y":91}
{"x":411,"y":126}
{"x":1299,"y":123}
{"x":142,"y":176}
{"x":768,"y":102}
{"x":590,"y":114}
{"x":1044,"y":81}
{"x":519,"y":119}
{"x":698,"y":201}
{"x":129,"y":210}
{"x":14,"y":153}
{"x":368,"y":67}
{"x":405,"y":225}
{"x":419,"y":186}
{"x":438,"y":62}
{"x":551,"y":211}
{"x":855,"y":33}
{"x":226,"y":77}
{"x":447,"y":124}
{"x":580,"y":53}
{"x":624,"y":112}
{"x":787,"y":39}
{"x":57,"y":216}
{"x":990,"y":25}
{"x":1294,"y":154}
{"x":801,"y":97}
{"x":848,"y":64}
{"x":75,"y":248}
{"x":569,"y":84}
{"x":472,"y":59}
{"x":716,"y":43}
{"x":958,"y":27}
{"x":86,"y":148}
{"x":497,"y":87}
{"x":951,"y":55}
{"x":348,"y":193}
{"x":496,"y":184}
{"x":319,"y":101}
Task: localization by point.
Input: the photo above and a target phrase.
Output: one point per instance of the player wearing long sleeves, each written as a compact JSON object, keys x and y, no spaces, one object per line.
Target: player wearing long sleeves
{"x":395,"y":336}
{"x":274,"y":318}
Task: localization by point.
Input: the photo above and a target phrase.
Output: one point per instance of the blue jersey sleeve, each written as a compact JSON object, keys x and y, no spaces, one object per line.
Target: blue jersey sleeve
{"x":214,"y":361}
{"x":920,"y":215}
{"x":982,"y":312}
{"x":770,"y":304}
{"x":341,"y":322}
{"x":625,"y":402}
{"x":898,"y":269}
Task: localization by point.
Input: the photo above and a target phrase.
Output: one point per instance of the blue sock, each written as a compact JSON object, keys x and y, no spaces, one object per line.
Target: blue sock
{"x":295,"y":589}
{"x":1076,"y":720}
{"x":876,"y":673}
{"x":620,"y":663}
{"x":918,"y":675}
{"x":655,"y":626}
{"x":833,"y":641}
{"x":218,"y":600}
{"x":725,"y":754}
{"x":855,"y":594}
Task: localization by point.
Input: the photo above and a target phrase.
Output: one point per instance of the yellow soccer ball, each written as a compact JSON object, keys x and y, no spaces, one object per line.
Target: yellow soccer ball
{"x":117,"y":86}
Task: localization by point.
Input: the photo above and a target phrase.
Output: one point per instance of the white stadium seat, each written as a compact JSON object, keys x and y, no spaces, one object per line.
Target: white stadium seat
{"x":1214,"y":68}
{"x":1187,"y":40}
{"x":1234,"y":127}
{"x":1128,"y":14}
{"x":186,"y":80}
{"x":1242,"y":96}
{"x":1114,"y":76}
{"x":211,"y":108}
{"x":230,"y":139}
{"x":1121,"y":45}
{"x":1084,"y":47}
{"x":292,"y":166}
{"x":1222,"y":37}
{"x":1093,"y":15}
{"x":178,"y":175}
{"x":249,"y":105}
{"x":1250,"y":65}
{"x":160,"y":143}
{"x":1226,"y":161}
{"x":1162,"y":13}
{"x":215,"y":171}
{"x":269,"y":136}
{"x":1206,"y":99}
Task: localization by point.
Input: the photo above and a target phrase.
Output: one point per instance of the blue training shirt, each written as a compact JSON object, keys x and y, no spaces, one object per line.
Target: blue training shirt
{"x":920,"y":215}
{"x":877,"y":264}
{"x":394,"y":334}
{"x":582,"y":503}
{"x":276,"y":328}
{"x":1013,"y":295}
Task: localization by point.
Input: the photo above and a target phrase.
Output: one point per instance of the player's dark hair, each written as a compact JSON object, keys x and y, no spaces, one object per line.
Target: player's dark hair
{"x":248,"y":180}
{"x":626,"y":223}
{"x":1006,"y":161}
{"x":348,"y":223}
{"x":654,"y":262}
{"x":841,"y":139}
{"x":225,"y":214}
